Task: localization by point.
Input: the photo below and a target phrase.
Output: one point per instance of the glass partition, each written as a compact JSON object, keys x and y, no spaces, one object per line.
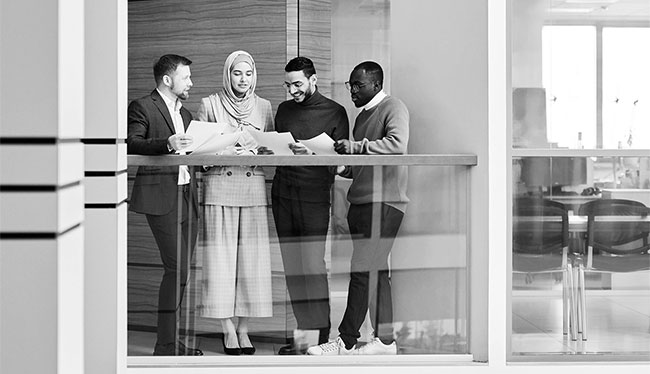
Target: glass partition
{"x":580,"y":180}
{"x":424,"y":267}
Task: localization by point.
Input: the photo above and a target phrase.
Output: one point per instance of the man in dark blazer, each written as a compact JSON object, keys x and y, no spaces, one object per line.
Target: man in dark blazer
{"x":166,"y":194}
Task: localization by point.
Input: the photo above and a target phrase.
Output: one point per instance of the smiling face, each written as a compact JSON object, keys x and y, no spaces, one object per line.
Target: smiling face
{"x":299,"y":86}
{"x":362,"y":87}
{"x":179,"y":82}
{"x":241,"y":76}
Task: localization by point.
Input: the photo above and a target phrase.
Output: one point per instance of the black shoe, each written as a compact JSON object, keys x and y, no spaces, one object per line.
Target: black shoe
{"x":230,"y":351}
{"x":290,"y":349}
{"x":248,"y":350}
{"x":178,"y":349}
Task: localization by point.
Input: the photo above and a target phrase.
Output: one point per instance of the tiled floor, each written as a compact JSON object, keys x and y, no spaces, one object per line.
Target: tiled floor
{"x":617,"y":323}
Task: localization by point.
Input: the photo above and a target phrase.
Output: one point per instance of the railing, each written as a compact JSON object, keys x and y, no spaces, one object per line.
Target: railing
{"x":314,"y":160}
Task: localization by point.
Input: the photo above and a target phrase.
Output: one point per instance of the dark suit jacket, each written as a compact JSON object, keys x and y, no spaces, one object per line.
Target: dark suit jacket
{"x":150,"y":125}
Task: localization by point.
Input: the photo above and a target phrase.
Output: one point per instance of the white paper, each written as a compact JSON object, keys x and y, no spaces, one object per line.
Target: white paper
{"x":320,"y":145}
{"x":202,"y":133}
{"x":217,"y":143}
{"x":278,"y":142}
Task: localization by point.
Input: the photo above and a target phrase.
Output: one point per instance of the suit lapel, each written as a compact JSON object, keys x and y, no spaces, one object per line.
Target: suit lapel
{"x":162,"y":107}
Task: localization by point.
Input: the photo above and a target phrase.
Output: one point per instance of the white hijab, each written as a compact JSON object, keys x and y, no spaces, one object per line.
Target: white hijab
{"x":238,"y":107}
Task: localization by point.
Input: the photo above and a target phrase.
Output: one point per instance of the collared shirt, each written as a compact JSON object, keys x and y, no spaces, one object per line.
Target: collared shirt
{"x":375,"y":100}
{"x":174,"y":108}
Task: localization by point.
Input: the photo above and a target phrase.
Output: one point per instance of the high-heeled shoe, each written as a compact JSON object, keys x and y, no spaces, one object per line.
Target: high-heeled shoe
{"x":247,"y":350}
{"x":230,"y":351}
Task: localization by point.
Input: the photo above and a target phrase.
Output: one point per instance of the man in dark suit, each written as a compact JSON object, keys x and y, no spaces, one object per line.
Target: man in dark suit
{"x":166,"y":194}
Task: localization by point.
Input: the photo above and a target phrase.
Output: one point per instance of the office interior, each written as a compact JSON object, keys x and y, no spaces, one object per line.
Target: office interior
{"x":477,"y":77}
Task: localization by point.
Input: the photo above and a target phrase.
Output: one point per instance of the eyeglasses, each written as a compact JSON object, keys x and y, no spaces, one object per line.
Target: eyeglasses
{"x":296,"y":85}
{"x":354,"y":86}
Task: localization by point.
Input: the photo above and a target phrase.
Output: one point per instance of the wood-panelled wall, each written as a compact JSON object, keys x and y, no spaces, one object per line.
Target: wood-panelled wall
{"x":314,"y":39}
{"x":206,"y":32}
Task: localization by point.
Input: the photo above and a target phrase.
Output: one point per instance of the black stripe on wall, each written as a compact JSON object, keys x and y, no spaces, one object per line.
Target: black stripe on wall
{"x":102,"y":141}
{"x":105,"y":205}
{"x":31,"y":141}
{"x":32,"y":188}
{"x":104,"y":173}
{"x":35,"y":235}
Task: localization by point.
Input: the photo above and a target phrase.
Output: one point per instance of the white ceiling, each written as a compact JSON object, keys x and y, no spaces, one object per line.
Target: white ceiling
{"x":621,"y":10}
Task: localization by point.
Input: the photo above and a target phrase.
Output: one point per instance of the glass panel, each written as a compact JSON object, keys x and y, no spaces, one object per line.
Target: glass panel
{"x":550,"y":311}
{"x":579,"y":80}
{"x":284,"y":260}
{"x":424,"y":262}
{"x":626,"y":87}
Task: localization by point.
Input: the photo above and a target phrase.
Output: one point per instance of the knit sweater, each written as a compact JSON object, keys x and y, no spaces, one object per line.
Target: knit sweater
{"x":383,"y":129}
{"x":305,"y":120}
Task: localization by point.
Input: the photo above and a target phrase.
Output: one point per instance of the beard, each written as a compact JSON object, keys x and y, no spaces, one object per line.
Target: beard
{"x":183,"y":95}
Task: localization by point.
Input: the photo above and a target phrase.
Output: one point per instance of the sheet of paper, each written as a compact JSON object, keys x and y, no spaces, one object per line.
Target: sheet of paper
{"x":217,"y":143}
{"x":278,"y":142}
{"x":321,"y":144}
{"x":202,"y":132}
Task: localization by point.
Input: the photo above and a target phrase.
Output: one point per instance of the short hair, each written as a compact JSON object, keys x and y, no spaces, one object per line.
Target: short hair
{"x":301,"y":64}
{"x":372,"y":69}
{"x":167,"y":64}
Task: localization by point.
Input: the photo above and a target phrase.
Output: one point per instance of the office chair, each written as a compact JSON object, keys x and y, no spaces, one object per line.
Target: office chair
{"x":617,"y":242}
{"x":540,"y":244}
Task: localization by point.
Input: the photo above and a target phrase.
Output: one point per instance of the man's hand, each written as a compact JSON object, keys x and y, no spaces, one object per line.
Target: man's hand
{"x":180,"y":141}
{"x":299,"y":149}
{"x":343,"y":146}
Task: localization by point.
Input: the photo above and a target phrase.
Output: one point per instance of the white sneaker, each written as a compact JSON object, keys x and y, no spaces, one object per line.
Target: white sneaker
{"x":376,"y":347}
{"x":331,"y":348}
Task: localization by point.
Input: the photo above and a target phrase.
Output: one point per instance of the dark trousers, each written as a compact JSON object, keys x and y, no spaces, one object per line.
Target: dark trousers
{"x":369,"y":273}
{"x":175,"y":234}
{"x":302,"y":231}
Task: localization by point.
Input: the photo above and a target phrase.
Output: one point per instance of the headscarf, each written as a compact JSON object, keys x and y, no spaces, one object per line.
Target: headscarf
{"x":238,"y":107}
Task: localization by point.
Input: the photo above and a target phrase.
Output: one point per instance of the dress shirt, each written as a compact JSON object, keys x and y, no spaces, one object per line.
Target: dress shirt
{"x":174,"y":108}
{"x":375,"y":100}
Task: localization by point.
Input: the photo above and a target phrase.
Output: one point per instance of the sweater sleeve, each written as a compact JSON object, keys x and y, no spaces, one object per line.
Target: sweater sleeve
{"x":395,"y":133}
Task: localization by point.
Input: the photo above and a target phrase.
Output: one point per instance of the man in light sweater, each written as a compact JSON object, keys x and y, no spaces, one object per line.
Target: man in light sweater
{"x":375,"y":213}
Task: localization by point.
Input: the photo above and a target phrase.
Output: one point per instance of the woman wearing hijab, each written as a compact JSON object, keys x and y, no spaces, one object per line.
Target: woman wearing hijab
{"x":236,"y":257}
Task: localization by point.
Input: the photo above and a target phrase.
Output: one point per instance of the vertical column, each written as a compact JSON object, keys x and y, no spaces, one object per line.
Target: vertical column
{"x":106,"y":186}
{"x":41,"y":187}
